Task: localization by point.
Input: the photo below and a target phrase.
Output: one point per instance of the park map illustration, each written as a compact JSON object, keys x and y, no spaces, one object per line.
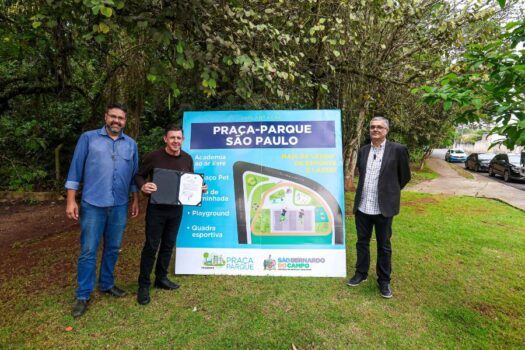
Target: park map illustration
{"x":284,"y":212}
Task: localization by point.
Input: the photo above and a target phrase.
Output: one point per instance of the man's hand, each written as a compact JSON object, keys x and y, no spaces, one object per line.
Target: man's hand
{"x":135,"y":205}
{"x":72,"y":206}
{"x":149,"y":188}
{"x":205,"y":188}
{"x":135,"y":209}
{"x":72,"y":210}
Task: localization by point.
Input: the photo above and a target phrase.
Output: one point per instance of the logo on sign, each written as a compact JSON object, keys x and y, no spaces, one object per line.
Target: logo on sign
{"x":270,"y":264}
{"x":212,"y":260}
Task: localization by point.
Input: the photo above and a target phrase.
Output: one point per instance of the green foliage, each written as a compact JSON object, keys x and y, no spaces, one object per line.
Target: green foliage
{"x":417,"y":155}
{"x":387,"y":49}
{"x":163,"y":58}
{"x":420,"y":175}
{"x":472,"y":136}
{"x":151,"y":141}
{"x":30,"y":134}
{"x":488,"y":84}
{"x":449,"y":137}
{"x":25,"y":178}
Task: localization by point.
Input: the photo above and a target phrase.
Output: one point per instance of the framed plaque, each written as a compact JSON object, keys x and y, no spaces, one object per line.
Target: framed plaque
{"x":177,"y":187}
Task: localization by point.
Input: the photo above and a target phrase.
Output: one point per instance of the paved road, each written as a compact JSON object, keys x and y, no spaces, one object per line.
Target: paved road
{"x":450,"y":182}
{"x":440,"y":154}
{"x":520,"y":185}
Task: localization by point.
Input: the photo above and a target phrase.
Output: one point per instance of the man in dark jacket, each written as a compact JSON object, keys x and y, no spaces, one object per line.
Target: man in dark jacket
{"x":162,"y":221}
{"x":384,"y":170}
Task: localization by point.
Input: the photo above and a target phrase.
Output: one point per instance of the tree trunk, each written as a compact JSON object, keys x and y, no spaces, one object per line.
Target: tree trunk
{"x":352,"y":147}
{"x":57,"y":161}
{"x":425,"y":157}
{"x":134,"y":93}
{"x":349,"y":174}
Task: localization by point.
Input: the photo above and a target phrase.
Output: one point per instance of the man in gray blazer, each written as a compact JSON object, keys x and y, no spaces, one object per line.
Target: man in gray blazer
{"x":384,"y":170}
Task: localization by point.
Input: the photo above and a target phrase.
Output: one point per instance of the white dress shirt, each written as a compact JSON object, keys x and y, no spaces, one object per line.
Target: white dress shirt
{"x":369,"y":198}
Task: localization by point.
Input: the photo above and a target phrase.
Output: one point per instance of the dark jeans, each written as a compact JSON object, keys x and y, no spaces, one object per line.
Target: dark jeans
{"x":162,"y":226}
{"x":383,"y":226}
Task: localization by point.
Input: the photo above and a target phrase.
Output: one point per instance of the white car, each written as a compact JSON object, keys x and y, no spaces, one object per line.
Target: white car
{"x":455,"y":155}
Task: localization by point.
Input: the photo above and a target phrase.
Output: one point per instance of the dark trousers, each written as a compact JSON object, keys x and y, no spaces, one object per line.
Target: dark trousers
{"x":162,"y":226}
{"x":383,"y":226}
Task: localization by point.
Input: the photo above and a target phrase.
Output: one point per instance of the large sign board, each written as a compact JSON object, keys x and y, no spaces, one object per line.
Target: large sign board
{"x":275,"y":201}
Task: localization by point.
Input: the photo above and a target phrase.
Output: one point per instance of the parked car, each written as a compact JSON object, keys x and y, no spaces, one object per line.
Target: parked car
{"x":479,"y":161}
{"x":455,"y":155}
{"x":507,"y":165}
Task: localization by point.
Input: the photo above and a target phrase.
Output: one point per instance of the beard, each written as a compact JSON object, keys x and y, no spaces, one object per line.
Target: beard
{"x":115,"y":128}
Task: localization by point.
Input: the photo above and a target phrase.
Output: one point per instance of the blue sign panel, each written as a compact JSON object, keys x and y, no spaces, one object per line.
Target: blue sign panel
{"x":275,"y":203}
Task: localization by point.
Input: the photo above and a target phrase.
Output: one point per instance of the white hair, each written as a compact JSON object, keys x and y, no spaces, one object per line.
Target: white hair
{"x":382,"y":119}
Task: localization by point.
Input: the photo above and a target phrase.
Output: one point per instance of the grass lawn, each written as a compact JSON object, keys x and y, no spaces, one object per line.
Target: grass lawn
{"x":420,"y":175}
{"x":461,"y":171}
{"x":458,"y":282}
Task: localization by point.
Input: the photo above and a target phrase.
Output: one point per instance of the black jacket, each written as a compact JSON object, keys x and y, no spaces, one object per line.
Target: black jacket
{"x":393,"y":176}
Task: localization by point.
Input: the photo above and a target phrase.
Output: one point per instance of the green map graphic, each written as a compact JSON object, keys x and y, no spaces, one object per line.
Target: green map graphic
{"x":285,"y":212}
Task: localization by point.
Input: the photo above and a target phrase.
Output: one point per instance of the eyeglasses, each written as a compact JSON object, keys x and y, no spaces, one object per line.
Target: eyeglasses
{"x":378,"y":127}
{"x":112,"y":116}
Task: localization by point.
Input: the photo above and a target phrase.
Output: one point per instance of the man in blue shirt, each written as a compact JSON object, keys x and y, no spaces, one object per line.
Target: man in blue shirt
{"x":105,"y":160}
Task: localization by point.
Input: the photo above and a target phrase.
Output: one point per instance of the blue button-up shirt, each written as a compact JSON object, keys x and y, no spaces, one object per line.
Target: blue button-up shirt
{"x":106,"y":167}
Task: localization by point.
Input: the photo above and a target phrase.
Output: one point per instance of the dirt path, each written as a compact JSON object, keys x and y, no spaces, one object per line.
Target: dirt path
{"x":22,"y":222}
{"x":450,"y":182}
{"x":38,"y":240}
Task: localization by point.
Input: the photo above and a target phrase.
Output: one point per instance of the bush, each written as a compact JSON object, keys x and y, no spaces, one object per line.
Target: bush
{"x":151,"y":141}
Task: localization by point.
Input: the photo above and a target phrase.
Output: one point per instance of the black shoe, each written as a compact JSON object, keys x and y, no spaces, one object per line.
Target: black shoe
{"x":357,"y":279}
{"x":143,"y":296}
{"x":385,"y":290}
{"x":79,"y":308}
{"x":165,"y":283}
{"x":115,"y":292}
